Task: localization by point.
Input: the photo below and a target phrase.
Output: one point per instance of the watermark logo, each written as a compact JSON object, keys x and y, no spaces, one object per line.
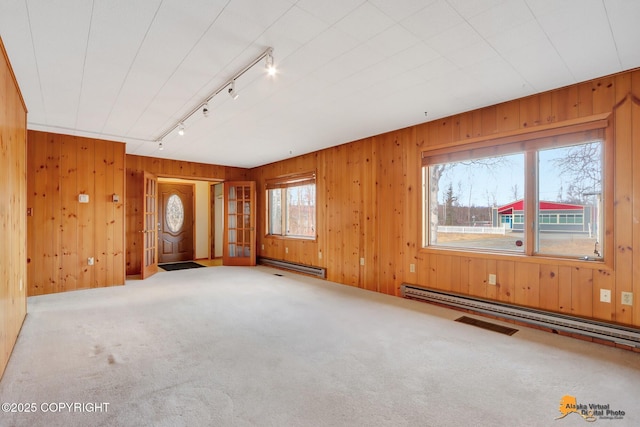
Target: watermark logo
{"x":589,"y":412}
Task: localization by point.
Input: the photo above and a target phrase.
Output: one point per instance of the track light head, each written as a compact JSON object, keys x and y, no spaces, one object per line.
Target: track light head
{"x":269,"y":64}
{"x":205,"y":109}
{"x":181,"y":129}
{"x":232,"y":90}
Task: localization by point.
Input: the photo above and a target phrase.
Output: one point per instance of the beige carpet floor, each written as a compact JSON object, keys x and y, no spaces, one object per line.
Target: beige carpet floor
{"x":232,"y":346}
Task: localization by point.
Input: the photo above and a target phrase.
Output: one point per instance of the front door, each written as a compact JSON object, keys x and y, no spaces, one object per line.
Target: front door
{"x":175,"y":220}
{"x":239,"y":223}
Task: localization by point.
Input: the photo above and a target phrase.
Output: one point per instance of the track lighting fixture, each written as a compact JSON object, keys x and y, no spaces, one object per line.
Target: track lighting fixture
{"x":269,"y":65}
{"x":229,"y":85}
{"x":232,"y":90}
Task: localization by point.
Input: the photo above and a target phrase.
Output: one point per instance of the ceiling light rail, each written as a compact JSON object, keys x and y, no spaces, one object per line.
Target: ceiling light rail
{"x":267,"y":55}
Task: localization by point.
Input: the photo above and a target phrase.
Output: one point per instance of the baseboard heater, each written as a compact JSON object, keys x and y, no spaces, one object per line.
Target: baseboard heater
{"x":300,"y":268}
{"x":555,"y":321}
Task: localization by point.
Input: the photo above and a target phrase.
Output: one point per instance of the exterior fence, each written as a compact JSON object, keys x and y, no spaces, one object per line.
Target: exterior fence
{"x":471,"y":230}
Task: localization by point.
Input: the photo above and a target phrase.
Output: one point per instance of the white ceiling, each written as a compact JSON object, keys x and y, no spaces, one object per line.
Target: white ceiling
{"x":129,"y":70}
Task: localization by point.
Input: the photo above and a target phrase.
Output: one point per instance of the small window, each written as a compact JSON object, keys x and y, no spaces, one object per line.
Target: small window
{"x":174,"y":213}
{"x":291,"y":206}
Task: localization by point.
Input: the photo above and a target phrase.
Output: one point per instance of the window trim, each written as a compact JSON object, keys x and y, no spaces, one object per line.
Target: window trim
{"x":529,"y":141}
{"x":284,"y":182}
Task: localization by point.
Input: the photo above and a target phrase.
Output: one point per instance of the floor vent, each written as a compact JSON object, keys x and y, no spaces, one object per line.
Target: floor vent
{"x":486,"y":325}
{"x":299,"y":268}
{"x":555,"y":321}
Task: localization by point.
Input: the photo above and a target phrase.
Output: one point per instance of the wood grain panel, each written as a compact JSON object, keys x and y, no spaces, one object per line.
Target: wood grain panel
{"x":69,"y":214}
{"x":100,"y":206}
{"x":431,"y":278}
{"x":51,"y":221}
{"x":369,"y":229}
{"x":13,"y":225}
{"x":86,"y":213}
{"x":565,"y":283}
{"x":134,"y":220}
{"x":37,"y":188}
{"x":456,"y":274}
{"x":549,"y":282}
{"x":505,"y":280}
{"x":585,"y":100}
{"x":530,"y":111}
{"x":582,"y":292}
{"x":333,"y":211}
{"x":508,"y":116}
{"x":492,"y":290}
{"x":443,"y":268}
{"x":603,"y":279}
{"x":546,"y":111}
{"x":564,"y":103}
{"x":119,"y":214}
{"x":527,"y":285}
{"x":478,"y":277}
{"x":623,"y":193}
{"x":352,"y":216}
{"x":465,"y":127}
{"x":635,"y":196}
{"x":63,"y":167}
{"x":489,"y":117}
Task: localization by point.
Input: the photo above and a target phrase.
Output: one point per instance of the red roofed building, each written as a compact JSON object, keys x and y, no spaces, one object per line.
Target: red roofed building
{"x":553,"y":217}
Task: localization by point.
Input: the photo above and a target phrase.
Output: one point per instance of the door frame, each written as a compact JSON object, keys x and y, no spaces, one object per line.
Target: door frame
{"x":216,"y":236}
{"x":149,"y":267}
{"x":237,"y":260}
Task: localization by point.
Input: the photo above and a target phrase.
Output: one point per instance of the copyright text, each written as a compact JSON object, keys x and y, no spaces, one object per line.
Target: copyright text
{"x":56,"y":407}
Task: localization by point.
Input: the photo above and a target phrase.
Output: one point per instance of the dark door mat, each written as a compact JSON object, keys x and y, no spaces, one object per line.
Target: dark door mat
{"x":179,"y":265}
{"x":486,"y":325}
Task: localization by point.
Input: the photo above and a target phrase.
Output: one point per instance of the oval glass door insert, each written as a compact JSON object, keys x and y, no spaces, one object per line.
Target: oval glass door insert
{"x":174,"y":214}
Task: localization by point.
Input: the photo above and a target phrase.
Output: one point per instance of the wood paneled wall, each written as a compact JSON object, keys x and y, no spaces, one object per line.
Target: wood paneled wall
{"x":13,"y":191}
{"x":63,"y":233}
{"x":136,"y":166}
{"x":369,"y":208}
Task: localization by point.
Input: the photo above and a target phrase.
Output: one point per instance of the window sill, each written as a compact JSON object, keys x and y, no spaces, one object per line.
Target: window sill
{"x":297,"y":238}
{"x":592,"y":264}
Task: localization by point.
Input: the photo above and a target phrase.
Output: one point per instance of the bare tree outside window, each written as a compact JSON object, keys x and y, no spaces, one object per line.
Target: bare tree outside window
{"x":474,"y":178}
{"x":486,"y":209}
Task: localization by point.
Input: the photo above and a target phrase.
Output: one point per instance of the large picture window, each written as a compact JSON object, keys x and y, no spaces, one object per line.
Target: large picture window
{"x":291,"y":206}
{"x":530,"y":195}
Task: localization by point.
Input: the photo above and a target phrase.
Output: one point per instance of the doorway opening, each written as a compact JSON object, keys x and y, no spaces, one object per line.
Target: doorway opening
{"x":189,"y":221}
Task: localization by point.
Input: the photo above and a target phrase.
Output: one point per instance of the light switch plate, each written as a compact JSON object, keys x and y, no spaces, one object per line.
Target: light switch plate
{"x":83,"y":198}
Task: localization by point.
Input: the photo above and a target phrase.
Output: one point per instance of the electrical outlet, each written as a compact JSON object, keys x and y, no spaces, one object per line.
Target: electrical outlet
{"x":627,"y":298}
{"x":263,"y":246}
{"x":492,"y":279}
{"x":361,"y":261}
{"x":605,"y":295}
{"x":412,"y":268}
{"x":90,"y":261}
{"x":286,"y":250}
{"x":319,"y":255}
